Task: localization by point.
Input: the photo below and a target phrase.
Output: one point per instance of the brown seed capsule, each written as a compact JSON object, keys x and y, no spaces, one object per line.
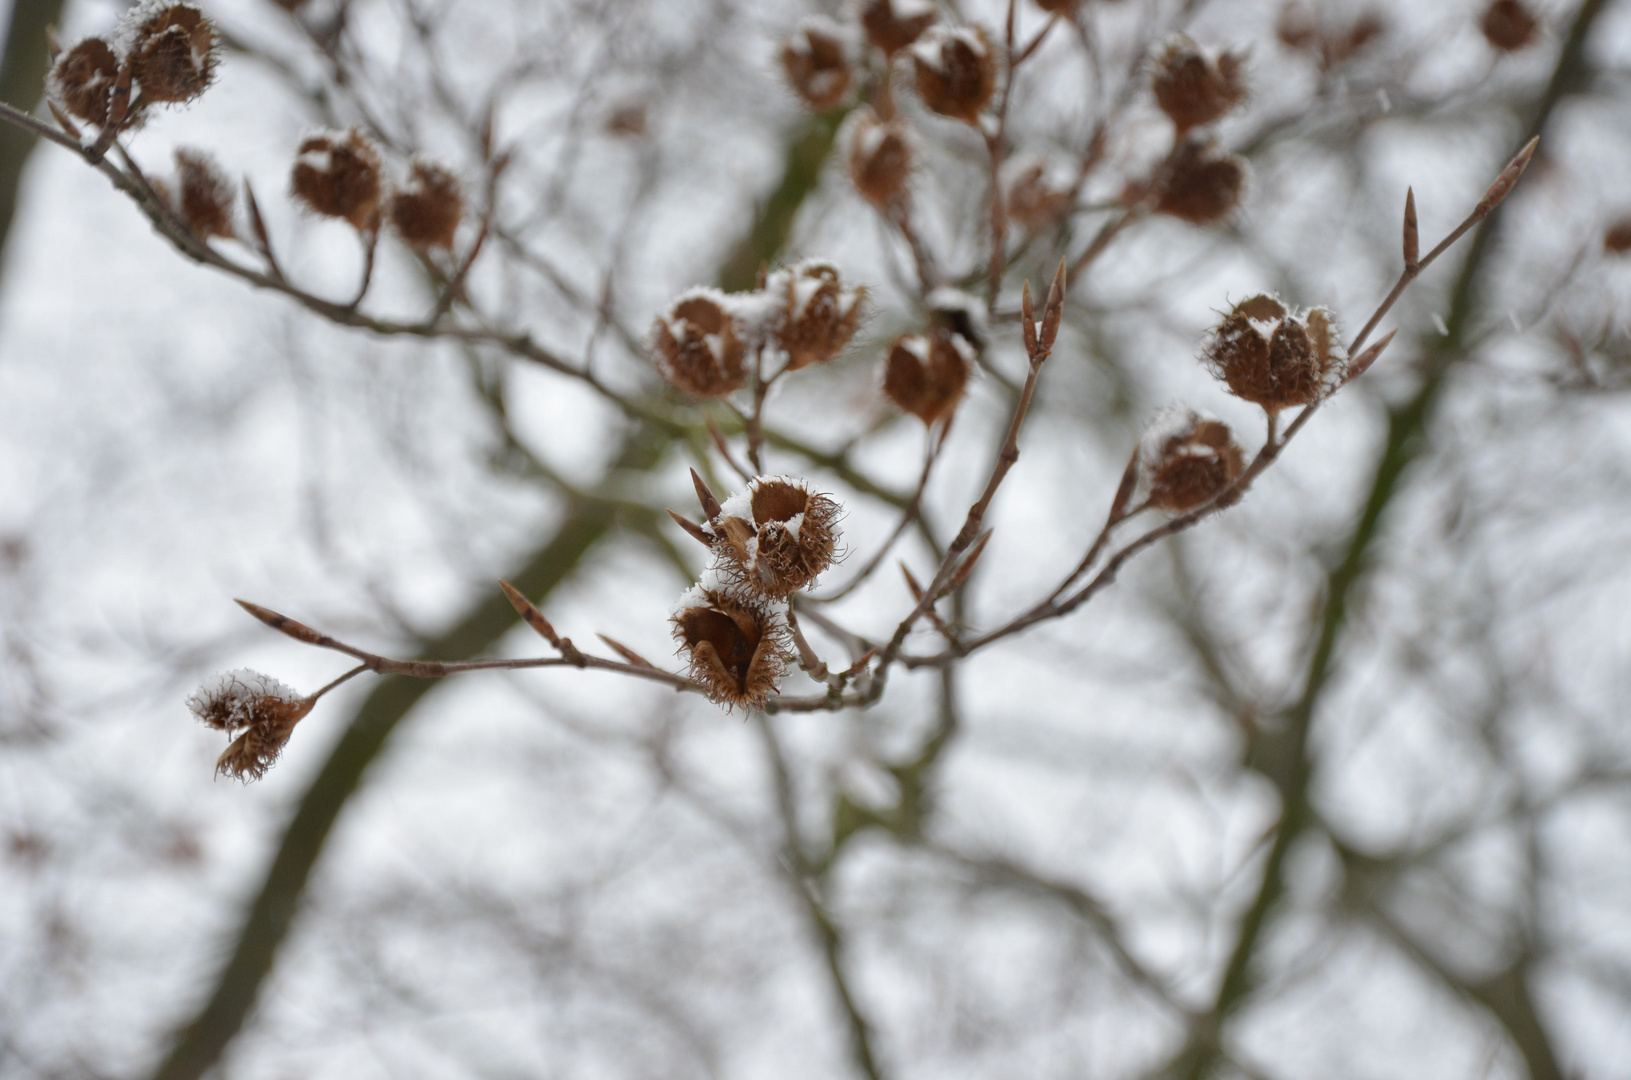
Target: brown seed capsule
{"x":1034,"y":202}
{"x":926,"y":373}
{"x":204,"y":194}
{"x":1202,"y":184}
{"x":956,"y":72}
{"x":697,"y":346}
{"x":82,"y":79}
{"x":1508,"y":25}
{"x":260,"y":707}
{"x":735,"y":647}
{"x":1185,"y":459}
{"x":775,"y":538}
{"x":426,"y":213}
{"x":339,"y":176}
{"x":816,"y":66}
{"x":1195,"y":86}
{"x":1617,"y":237}
{"x":171,"y":50}
{"x":816,"y":316}
{"x":880,"y":159}
{"x":1275,"y":357}
{"x":892,"y":28}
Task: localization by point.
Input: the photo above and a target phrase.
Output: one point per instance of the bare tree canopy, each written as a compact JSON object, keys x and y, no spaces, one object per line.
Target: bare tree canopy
{"x":902,"y":538}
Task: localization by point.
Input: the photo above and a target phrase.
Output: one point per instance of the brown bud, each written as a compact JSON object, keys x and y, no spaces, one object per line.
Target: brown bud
{"x":956,"y":72}
{"x":426,"y":213}
{"x":697,"y":346}
{"x":1617,"y":237}
{"x":1194,"y":86}
{"x":171,"y":50}
{"x":627,"y":121}
{"x":925,"y":374}
{"x":82,"y":79}
{"x":1508,"y":25}
{"x":1295,"y":26}
{"x":1034,"y":202}
{"x":736,"y":647}
{"x":204,"y":195}
{"x":1201,"y":184}
{"x":892,"y":29}
{"x":260,"y":707}
{"x":1185,"y":459}
{"x":816,"y":66}
{"x":880,"y":159}
{"x":775,"y":538}
{"x":1275,"y":357}
{"x":816,"y":316}
{"x":339,"y":176}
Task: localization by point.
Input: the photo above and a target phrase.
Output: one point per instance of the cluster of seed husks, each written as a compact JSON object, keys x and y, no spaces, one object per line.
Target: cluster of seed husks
{"x":801,"y":315}
{"x":162,"y":53}
{"x":766,"y":542}
{"x":338,"y":174}
{"x":1200,"y":182}
{"x":260,"y":711}
{"x":1267,"y":353}
{"x":954,"y":70}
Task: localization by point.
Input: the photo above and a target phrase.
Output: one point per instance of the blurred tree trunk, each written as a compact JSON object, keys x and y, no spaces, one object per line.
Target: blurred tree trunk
{"x":22,"y":75}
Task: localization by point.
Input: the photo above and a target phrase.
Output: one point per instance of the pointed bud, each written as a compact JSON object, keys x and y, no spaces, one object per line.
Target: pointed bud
{"x":1504,"y":183}
{"x":692,"y":529}
{"x":1412,"y":239}
{"x":1364,"y":360}
{"x":710,"y":505}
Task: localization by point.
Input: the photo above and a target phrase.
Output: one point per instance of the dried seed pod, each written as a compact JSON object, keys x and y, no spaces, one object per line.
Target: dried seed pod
{"x":925,"y":374}
{"x":1508,"y":25}
{"x":816,"y":65}
{"x":1617,"y":237}
{"x":892,"y":28}
{"x":736,"y":647}
{"x":1201,"y":184}
{"x":956,"y":72}
{"x":774,"y":538}
{"x":816,"y":316}
{"x":426,"y":213}
{"x":81,"y":81}
{"x":1196,"y":86}
{"x":338,"y":175}
{"x":698,"y":347}
{"x":1277,"y":357}
{"x":1185,"y":459}
{"x":1033,"y":201}
{"x":171,"y":50}
{"x":264,"y":710}
{"x":880,"y":159}
{"x":204,"y":195}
